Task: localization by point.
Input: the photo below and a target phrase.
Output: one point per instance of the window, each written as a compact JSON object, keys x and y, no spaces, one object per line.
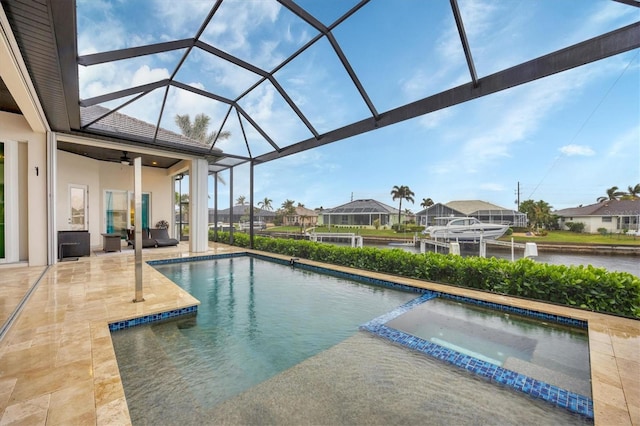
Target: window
{"x":606,"y":219}
{"x":119,"y":210}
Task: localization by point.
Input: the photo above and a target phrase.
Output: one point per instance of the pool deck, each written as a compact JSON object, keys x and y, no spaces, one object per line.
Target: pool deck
{"x":58,"y":365}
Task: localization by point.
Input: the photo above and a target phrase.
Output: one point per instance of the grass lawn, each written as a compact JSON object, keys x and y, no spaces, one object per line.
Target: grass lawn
{"x":553,"y":237}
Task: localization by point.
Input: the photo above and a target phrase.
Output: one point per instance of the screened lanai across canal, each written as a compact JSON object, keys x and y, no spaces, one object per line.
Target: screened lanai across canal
{"x":359,"y":213}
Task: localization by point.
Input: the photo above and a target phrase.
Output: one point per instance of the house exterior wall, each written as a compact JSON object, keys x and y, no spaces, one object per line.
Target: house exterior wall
{"x":593,"y":223}
{"x":31,"y":220}
{"x":100,"y":176}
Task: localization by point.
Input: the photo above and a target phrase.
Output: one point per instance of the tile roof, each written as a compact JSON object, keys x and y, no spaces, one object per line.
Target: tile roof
{"x":303,"y":211}
{"x":605,"y":208}
{"x":470,"y":206}
{"x":120,"y":124}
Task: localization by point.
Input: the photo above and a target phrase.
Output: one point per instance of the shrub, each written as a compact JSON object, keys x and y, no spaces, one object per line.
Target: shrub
{"x":575,"y":226}
{"x":584,"y":287}
{"x":603,"y":231}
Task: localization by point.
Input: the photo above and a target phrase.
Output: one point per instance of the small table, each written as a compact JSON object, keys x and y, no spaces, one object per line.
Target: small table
{"x":61,"y":247}
{"x":111,"y":242}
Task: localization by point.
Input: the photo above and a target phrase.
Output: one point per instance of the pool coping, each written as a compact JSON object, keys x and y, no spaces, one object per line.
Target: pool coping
{"x":538,"y":389}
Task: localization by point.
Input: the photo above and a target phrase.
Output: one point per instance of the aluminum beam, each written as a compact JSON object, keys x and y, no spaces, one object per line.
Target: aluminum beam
{"x":601,"y":47}
{"x":464,"y":41}
{"x":134,"y":52}
{"x":63,"y":15}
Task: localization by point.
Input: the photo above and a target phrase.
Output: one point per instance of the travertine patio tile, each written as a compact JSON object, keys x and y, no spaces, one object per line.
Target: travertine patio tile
{"x":60,"y":348}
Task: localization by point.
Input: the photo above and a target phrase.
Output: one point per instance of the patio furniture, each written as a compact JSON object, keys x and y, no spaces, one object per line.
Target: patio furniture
{"x":111,"y":242}
{"x":147,"y":241}
{"x":162,"y":237}
{"x":73,"y":244}
{"x":61,"y":247}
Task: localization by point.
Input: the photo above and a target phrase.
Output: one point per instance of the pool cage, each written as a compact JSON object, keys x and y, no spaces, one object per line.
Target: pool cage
{"x":501,"y":216}
{"x":507,"y":217}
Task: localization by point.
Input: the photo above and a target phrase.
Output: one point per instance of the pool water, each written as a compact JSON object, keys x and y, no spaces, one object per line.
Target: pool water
{"x":256,"y":319}
{"x":280,"y":345}
{"x":550,"y":352}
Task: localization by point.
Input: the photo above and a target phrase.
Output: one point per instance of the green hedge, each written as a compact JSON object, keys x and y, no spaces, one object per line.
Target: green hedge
{"x":585,"y":287}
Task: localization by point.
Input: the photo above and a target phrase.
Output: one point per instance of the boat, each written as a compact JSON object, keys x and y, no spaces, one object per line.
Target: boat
{"x":465,"y":229}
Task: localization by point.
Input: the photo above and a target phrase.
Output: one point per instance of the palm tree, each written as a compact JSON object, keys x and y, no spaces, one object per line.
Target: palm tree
{"x":612,"y":194}
{"x":426,"y":202}
{"x":198,"y":130}
{"x":241,"y":200}
{"x":402,"y":193}
{"x":266,"y":204}
{"x":633,"y":193}
{"x":538,"y":213}
{"x":288,"y":207}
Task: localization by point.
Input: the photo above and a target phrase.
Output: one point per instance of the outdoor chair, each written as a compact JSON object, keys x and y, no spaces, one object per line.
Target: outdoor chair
{"x":162,"y":238}
{"x":147,"y":241}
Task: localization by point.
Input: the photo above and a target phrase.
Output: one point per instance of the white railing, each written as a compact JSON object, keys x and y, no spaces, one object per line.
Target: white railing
{"x":356,"y":240}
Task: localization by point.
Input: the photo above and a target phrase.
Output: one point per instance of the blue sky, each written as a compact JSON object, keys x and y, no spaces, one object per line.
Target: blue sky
{"x":566,"y":138}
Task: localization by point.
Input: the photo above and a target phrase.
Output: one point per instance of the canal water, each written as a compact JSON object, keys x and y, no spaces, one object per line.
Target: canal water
{"x":620,"y":263}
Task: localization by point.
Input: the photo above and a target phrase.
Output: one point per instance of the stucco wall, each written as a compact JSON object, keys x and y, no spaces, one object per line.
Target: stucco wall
{"x":592,"y":223}
{"x":31,"y":222}
{"x":100,"y":176}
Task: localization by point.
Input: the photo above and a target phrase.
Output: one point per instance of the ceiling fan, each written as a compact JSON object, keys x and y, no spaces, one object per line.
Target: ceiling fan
{"x":125,"y":159}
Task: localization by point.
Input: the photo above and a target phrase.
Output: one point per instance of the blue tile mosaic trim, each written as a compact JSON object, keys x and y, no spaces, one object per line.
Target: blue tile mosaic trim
{"x":196,"y":258}
{"x":344,"y":275}
{"x":559,"y":397}
{"x":147,"y":319}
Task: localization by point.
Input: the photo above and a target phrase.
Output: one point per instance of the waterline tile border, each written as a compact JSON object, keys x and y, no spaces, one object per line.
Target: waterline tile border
{"x":146,"y":319}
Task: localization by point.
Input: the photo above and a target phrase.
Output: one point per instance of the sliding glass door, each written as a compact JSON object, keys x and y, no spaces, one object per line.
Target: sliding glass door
{"x":119,"y":210}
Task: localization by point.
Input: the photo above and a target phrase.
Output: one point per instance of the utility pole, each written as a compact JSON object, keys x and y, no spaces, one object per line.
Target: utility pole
{"x":518,"y":196}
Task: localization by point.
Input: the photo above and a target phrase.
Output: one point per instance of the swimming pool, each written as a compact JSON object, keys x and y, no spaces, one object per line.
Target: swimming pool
{"x":175,"y":372}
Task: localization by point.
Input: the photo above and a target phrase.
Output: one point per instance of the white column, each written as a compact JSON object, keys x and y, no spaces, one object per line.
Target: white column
{"x":198,"y":206}
{"x":37,"y":198}
{"x":137,"y":224}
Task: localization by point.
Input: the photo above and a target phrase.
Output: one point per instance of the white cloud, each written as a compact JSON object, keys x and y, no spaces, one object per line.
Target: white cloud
{"x":573,"y":149}
{"x":233,"y":23}
{"x":181,"y":18}
{"x":144,"y":75}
